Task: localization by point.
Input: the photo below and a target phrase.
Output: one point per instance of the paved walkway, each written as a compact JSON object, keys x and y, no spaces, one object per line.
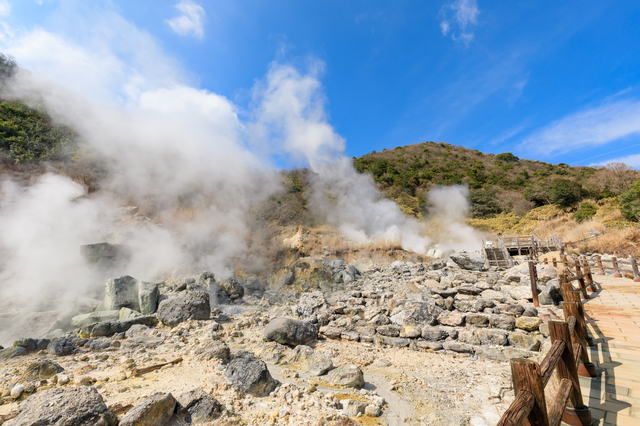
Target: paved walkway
{"x":613,"y":320}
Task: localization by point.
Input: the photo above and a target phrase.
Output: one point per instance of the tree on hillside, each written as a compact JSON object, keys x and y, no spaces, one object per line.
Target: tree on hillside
{"x":630,"y":202}
{"x":616,"y":178}
{"x":507,"y":157}
{"x":565,"y":193}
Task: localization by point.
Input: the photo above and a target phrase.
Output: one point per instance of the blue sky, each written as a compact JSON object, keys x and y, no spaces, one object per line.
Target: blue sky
{"x":552,"y":81}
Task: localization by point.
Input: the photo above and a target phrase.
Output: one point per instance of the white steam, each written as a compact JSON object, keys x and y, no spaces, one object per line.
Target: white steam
{"x":182,"y":153}
{"x":449,"y":209}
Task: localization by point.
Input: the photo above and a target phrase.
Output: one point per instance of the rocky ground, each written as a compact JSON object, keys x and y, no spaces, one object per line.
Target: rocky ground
{"x":321,"y":342}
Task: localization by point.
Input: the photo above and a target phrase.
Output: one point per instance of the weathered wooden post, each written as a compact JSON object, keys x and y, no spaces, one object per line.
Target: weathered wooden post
{"x":546,"y":261}
{"x":634,"y":267}
{"x":555,"y":263}
{"x":616,"y":271}
{"x":600,"y":268}
{"x":589,"y":277}
{"x":570,"y":309}
{"x":533,"y":277}
{"x":579,"y":415}
{"x":526,"y":376}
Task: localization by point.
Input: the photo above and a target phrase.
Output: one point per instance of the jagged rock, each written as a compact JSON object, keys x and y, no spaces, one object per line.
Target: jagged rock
{"x":530,"y":311}
{"x":458,"y":347}
{"x":520,"y":293}
{"x":282,"y":278}
{"x":61,"y":347}
{"x":469,"y":290}
{"x":198,"y":406}
{"x":400,"y":267}
{"x":433,"y":346}
{"x":451,"y":318}
{"x":350,"y":376}
{"x":469,"y":261}
{"x":253,"y":286}
{"x":121,"y":292}
{"x":424,"y":313}
{"x":331,"y":332}
{"x":493,"y":295}
{"x":248,"y":374}
{"x":126,"y":313}
{"x":464,"y":305}
{"x":315,"y":362}
{"x":148,"y":295}
{"x":93,"y":317}
{"x":109,"y":328}
{"x":272,"y":352}
{"x":184,"y":306}
{"x":81,"y":406}
{"x":32,"y":345}
{"x":352,"y":407}
{"x":216,"y":349}
{"x":492,"y":337}
{"x":512,"y":353}
{"x":232,"y":288}
{"x":310,"y":303}
{"x":397,"y":342}
{"x":288,"y":331}
{"x":41,"y":370}
{"x":468,"y":336}
{"x":411,"y":331}
{"x":156,"y":410}
{"x":503,"y":322}
{"x":142,"y":342}
{"x":528,"y":323}
{"x":390,"y":330}
{"x":524,"y":341}
{"x":510,"y":309}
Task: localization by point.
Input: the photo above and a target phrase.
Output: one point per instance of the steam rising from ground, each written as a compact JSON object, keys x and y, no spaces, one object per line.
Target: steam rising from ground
{"x":175,"y":148}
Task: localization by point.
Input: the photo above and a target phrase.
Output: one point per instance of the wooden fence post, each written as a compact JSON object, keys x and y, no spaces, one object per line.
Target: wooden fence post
{"x":533,"y":277}
{"x":600,"y":268}
{"x":634,"y":267}
{"x":555,"y":263}
{"x":570,"y":309}
{"x":616,"y":271}
{"x":579,"y":415}
{"x":587,"y":272}
{"x":526,"y":376}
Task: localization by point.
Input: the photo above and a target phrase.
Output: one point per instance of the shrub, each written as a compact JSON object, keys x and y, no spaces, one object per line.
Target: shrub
{"x":565,"y":193}
{"x":484,"y":202}
{"x":630,"y":202}
{"x":585,"y":211}
{"x":507,"y":157}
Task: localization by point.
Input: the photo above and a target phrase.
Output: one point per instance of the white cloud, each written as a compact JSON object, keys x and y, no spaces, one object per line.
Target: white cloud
{"x":5,"y":8}
{"x":632,"y":160}
{"x":458,"y":18}
{"x":191,"y":21}
{"x":588,"y":128}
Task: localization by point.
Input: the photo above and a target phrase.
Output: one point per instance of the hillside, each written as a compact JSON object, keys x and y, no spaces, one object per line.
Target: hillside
{"x":498,"y":183}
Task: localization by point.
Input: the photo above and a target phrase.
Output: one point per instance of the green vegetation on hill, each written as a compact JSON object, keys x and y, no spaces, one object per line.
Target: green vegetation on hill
{"x":498,"y":183}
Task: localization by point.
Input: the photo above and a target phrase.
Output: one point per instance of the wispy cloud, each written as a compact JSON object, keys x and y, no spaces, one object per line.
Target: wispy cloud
{"x":458,"y":19}
{"x":191,"y":20}
{"x":632,"y":160}
{"x":588,"y":128}
{"x":5,"y":8}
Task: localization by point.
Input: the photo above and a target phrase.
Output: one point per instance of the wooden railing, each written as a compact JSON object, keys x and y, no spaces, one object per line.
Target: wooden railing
{"x":568,"y":356}
{"x":617,"y":265}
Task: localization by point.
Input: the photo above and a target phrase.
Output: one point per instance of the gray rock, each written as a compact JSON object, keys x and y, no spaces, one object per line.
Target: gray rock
{"x":288,"y":331}
{"x":423,"y":313}
{"x":522,"y":292}
{"x":398,"y":342}
{"x":332,"y":332}
{"x":468,"y":336}
{"x":32,"y":345}
{"x":451,"y":318}
{"x":93,"y":317}
{"x":156,"y":410}
{"x":503,"y":322}
{"x":253,"y":286}
{"x":458,"y":347}
{"x":232,"y":288}
{"x":198,"y":406}
{"x":432,"y":346}
{"x":109,"y":328}
{"x":315,"y":362}
{"x":469,"y":261}
{"x":352,"y":407}
{"x":477,"y":320}
{"x":82,"y":406}
{"x":390,"y":330}
{"x":215,"y":349}
{"x":126,"y":313}
{"x":493,"y":295}
{"x":272,"y":352}
{"x":39,"y":370}
{"x":142,"y":342}
{"x":464,"y":305}
{"x":248,"y":374}
{"x":434,"y":334}
{"x":469,"y":290}
{"x":122,"y":292}
{"x":514,"y":309}
{"x":184,"y":306}
{"x":530,"y":312}
{"x":492,"y":337}
{"x":310,"y":304}
{"x":61,"y":347}
{"x":528,"y":323}
{"x":350,"y":376}
{"x":148,"y":295}
{"x":138,"y":330}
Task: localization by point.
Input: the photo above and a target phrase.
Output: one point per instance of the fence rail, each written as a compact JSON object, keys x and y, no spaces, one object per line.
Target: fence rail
{"x":568,"y":356}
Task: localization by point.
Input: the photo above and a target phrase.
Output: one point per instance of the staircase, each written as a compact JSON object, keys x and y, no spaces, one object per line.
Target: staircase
{"x":497,"y":254}
{"x":499,"y":251}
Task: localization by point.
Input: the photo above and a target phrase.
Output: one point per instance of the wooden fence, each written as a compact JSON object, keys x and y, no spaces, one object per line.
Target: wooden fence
{"x":568,"y":356}
{"x":619,"y":266}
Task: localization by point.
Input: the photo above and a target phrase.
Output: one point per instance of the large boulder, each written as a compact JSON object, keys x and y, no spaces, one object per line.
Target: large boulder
{"x":350,"y":376}
{"x":148,"y":294}
{"x":122,"y":292}
{"x":214,"y":349}
{"x":469,"y":261}
{"x":156,"y":410}
{"x":82,"y":406}
{"x":248,"y":374}
{"x":61,"y":347}
{"x":109,"y":328}
{"x":39,"y":370}
{"x":184,"y":306}
{"x":310,"y":303}
{"x":93,"y":317}
{"x":288,"y":331}
{"x":313,"y":361}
